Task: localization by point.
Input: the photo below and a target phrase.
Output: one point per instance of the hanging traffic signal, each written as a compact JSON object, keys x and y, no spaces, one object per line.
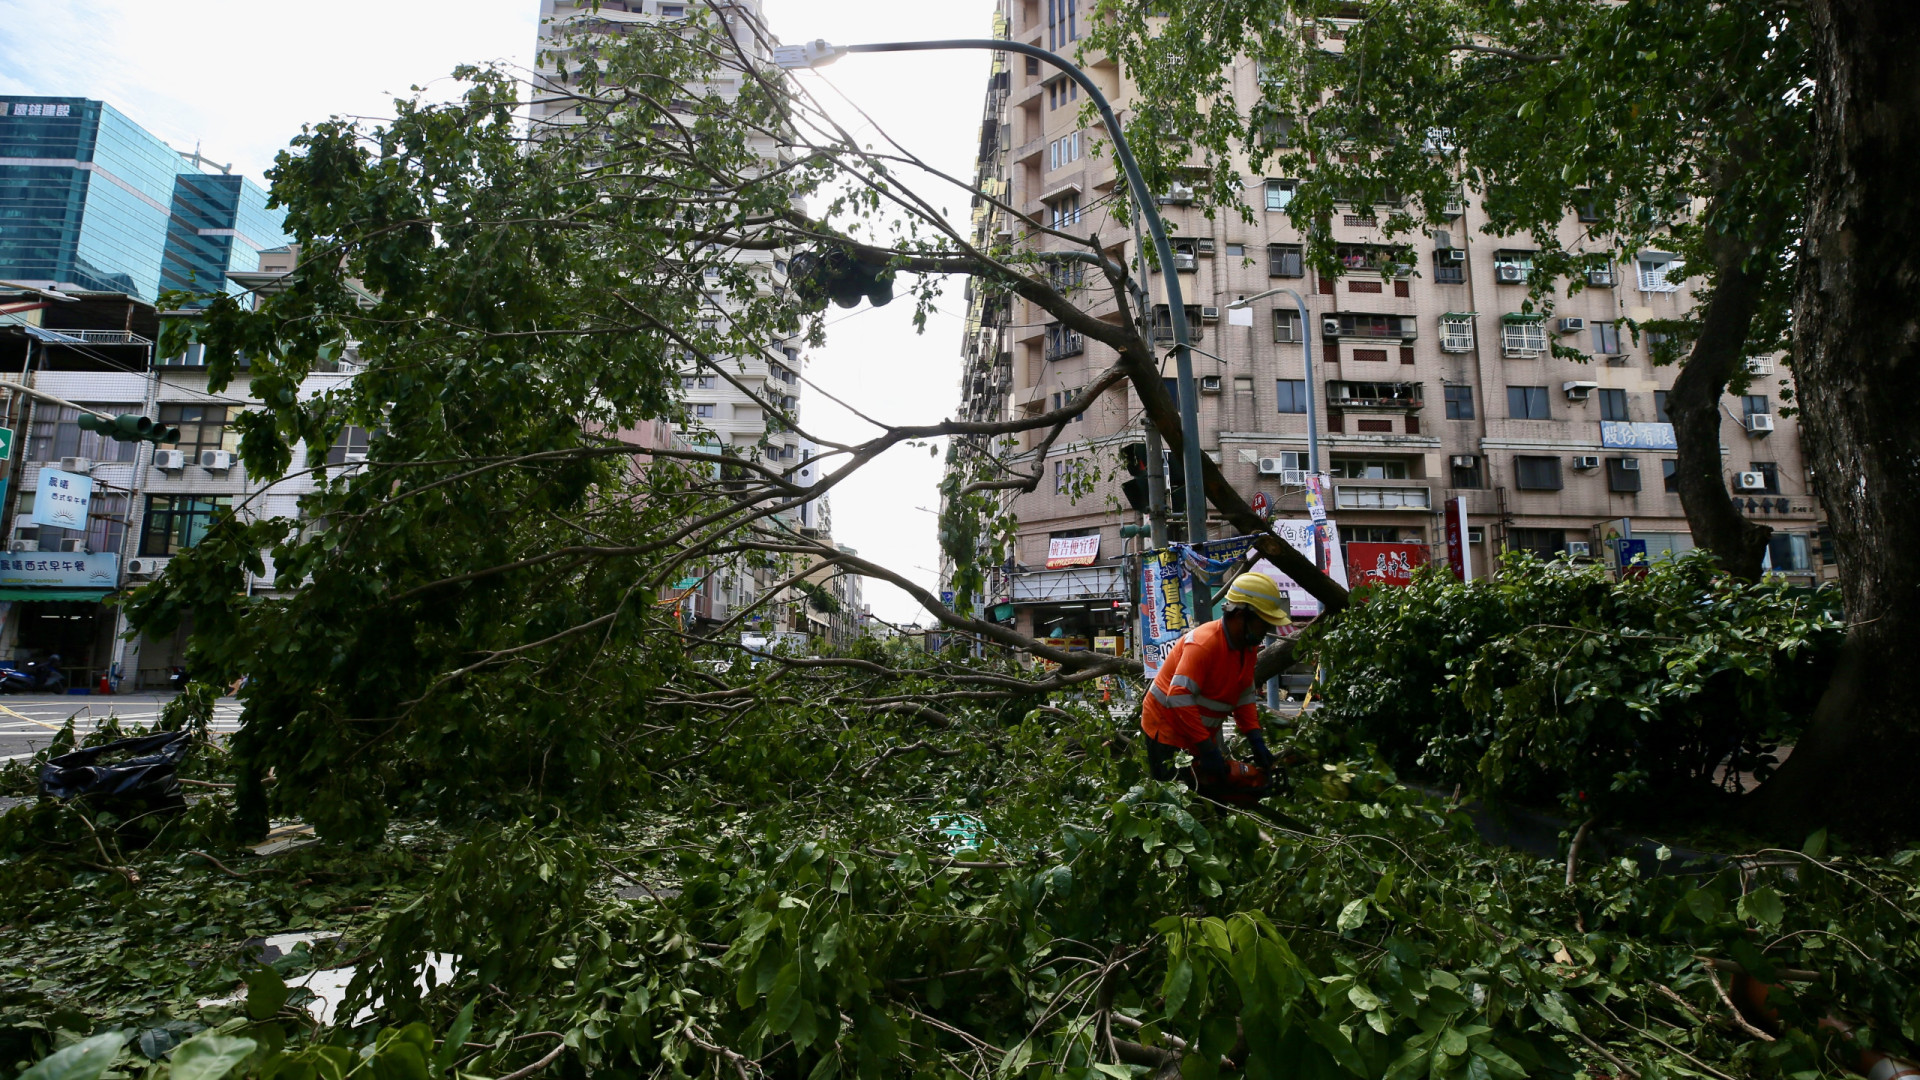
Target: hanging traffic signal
{"x":1134,"y":457}
{"x":127,"y":427}
{"x":836,"y":274}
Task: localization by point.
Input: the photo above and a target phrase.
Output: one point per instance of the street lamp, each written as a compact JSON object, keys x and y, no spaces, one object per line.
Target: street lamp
{"x":1313,"y":426}
{"x":819,"y":53}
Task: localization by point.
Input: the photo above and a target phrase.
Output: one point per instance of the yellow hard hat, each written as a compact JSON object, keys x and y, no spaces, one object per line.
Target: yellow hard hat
{"x":1259,"y":592}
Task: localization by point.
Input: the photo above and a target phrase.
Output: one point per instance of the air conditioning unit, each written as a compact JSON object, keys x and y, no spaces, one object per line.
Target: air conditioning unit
{"x":1476,"y":536}
{"x":1578,"y":391}
{"x":76,"y":464}
{"x":1455,"y":255}
{"x":1442,"y":239}
{"x":1750,"y":481}
{"x":1204,"y":247}
{"x":1271,"y":466}
{"x":1572,"y":324}
{"x":1209,"y":384}
{"x":1630,"y":464}
{"x":1579,"y":549}
{"x":1463,"y":461}
{"x":1183,"y":260}
{"x":1177,"y":195}
{"x":1759,"y":365}
{"x":1602,"y":278}
{"x":169,"y":460}
{"x":353,"y":458}
{"x":1760,"y":423}
{"x":76,"y":544}
{"x":21,"y":544}
{"x":146,"y":566}
{"x":1294,"y":477}
{"x":216,"y":460}
{"x":1510,"y":275}
{"x":1586,"y":461}
{"x":1209,"y":314}
{"x":1330,"y":327}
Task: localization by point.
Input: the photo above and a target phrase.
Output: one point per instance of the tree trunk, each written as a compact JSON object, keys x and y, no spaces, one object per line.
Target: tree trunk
{"x":1694,"y":407}
{"x":1857,"y":332}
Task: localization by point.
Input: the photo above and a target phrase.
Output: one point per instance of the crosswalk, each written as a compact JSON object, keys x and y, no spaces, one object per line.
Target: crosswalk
{"x":28,"y":724}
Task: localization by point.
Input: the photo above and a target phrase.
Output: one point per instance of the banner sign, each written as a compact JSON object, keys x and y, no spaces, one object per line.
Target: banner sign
{"x":62,"y":499}
{"x":1459,"y":552}
{"x":1299,"y":535}
{"x":1385,"y":564}
{"x":1067,"y":551}
{"x":1163,"y":606}
{"x":1631,"y":435}
{"x":58,"y":570}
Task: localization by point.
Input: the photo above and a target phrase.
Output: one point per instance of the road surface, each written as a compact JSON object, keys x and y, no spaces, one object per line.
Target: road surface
{"x":28,"y":721}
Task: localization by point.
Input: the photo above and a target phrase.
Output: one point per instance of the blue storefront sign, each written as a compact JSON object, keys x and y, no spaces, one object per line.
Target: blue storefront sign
{"x":1632,"y":435}
{"x":62,"y":499}
{"x":58,"y":570}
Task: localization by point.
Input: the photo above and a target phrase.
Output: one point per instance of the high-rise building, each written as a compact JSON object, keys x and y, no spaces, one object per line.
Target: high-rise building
{"x":1431,"y":379}
{"x":91,"y":201}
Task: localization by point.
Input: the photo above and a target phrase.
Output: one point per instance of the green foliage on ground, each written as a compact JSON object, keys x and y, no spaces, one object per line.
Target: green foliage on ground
{"x":1553,"y":682}
{"x":787,"y":904}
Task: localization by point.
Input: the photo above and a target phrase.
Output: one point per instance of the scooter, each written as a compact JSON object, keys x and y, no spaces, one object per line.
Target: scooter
{"x":33,"y":677}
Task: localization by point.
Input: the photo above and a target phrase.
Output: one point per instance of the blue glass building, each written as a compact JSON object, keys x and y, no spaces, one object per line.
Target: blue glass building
{"x":92,"y":201}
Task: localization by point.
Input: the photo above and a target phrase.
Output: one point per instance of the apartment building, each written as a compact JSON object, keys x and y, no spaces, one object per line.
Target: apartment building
{"x":1431,"y":379}
{"x":721,"y":414}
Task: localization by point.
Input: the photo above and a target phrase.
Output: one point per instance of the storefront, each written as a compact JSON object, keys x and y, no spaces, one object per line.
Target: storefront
{"x":54,"y":607}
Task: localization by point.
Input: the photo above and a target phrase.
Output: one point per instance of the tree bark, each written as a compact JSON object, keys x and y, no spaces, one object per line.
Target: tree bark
{"x":1694,"y":407}
{"x":1857,"y":332}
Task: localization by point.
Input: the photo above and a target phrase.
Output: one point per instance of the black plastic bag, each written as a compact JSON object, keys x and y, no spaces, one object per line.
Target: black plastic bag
{"x":141,"y":768}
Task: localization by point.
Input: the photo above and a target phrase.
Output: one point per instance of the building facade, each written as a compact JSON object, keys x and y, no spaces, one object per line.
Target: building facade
{"x":92,"y":202}
{"x":1431,"y":379}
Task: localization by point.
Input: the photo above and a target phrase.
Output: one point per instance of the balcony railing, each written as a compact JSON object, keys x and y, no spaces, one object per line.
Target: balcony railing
{"x":1374,"y":327}
{"x":1358,"y":395}
{"x":1077,"y":583}
{"x":1063,"y":342}
{"x":1347,"y":497}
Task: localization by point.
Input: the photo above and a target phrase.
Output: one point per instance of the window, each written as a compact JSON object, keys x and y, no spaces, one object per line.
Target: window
{"x":202,"y":427}
{"x":1285,"y":260}
{"x":1456,"y":333}
{"x":698,"y":382}
{"x":1660,"y":273}
{"x":1770,"y":470}
{"x":1238,"y":251}
{"x":1067,"y":397}
{"x":1063,"y":342}
{"x":106,"y":523}
{"x":1378,"y":498}
{"x":1527,"y":403}
{"x":1670,"y":474}
{"x":1370,"y":534}
{"x":1613,"y":406}
{"x":1066,"y":474}
{"x":1459,"y":403}
{"x":175,"y":523}
{"x":1063,"y":151}
{"x":703,"y":412}
{"x":1523,"y":337}
{"x":1787,"y":552}
{"x":1660,"y":407}
{"x":1062,"y":91}
{"x":1368,"y":469}
{"x":1163,"y":323}
{"x":1060,"y":23}
{"x":1543,"y":543}
{"x":1033,"y":65}
{"x":1755,"y":405}
{"x":1537,"y":473}
{"x":1521,"y":262}
{"x":1586,"y":205}
{"x":1286,"y":326}
{"x":1243,"y":384}
{"x":1606,"y":337}
{"x":1623,"y":474}
{"x":1470,"y":474}
{"x":56,"y":434}
{"x":1280,"y":193}
{"x":1292,"y":395}
{"x":1064,"y":211}
{"x":351,"y":442}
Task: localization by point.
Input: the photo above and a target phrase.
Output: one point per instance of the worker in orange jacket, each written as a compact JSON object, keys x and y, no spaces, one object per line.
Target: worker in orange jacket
{"x":1207,"y":677}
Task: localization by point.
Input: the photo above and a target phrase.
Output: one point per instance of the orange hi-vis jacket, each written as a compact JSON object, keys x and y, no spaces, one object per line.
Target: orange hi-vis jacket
{"x":1202,"y":681}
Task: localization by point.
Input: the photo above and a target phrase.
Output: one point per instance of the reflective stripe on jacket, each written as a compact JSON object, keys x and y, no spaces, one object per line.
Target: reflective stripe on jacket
{"x":1202,"y":682}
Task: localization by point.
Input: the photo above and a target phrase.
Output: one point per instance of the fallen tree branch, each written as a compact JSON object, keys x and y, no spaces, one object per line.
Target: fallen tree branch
{"x":552,"y":1056}
{"x":224,"y":868}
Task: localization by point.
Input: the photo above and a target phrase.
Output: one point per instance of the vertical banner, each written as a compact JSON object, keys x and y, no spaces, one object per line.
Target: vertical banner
{"x":1459,"y":552}
{"x":1299,"y":535}
{"x":1163,"y":606}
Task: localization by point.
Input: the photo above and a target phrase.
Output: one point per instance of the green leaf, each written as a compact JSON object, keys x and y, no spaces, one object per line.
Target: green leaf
{"x":1816,"y":845}
{"x":1763,"y":906}
{"x":1706,"y":905}
{"x":1499,"y":1061}
{"x":783,"y":1001}
{"x":452,"y":1046}
{"x":1179,"y":982}
{"x":265,"y":993}
{"x":1554,"y":1011}
{"x":1352,"y":915}
{"x":84,"y":1060}
{"x":209,"y":1056}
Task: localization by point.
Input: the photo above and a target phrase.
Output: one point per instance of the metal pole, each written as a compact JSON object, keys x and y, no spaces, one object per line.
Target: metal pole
{"x":1196,"y":512}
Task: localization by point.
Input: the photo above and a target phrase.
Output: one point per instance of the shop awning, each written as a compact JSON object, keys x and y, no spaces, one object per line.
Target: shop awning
{"x":1523,"y":317}
{"x":91,"y":596}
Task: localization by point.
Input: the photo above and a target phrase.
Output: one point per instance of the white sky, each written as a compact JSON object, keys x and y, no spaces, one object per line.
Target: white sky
{"x":239,"y":78}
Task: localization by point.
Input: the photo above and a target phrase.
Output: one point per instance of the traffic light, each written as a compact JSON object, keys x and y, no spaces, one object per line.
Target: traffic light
{"x":1134,"y":457}
{"x":836,"y":274}
{"x":127,"y":427}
